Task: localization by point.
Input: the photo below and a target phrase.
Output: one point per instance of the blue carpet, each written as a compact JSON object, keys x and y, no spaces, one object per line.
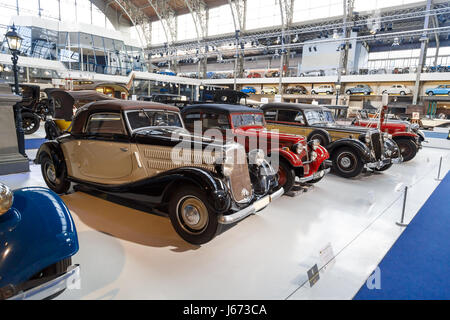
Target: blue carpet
{"x":418,"y":265}
{"x":437,"y":135}
{"x":31,"y":144}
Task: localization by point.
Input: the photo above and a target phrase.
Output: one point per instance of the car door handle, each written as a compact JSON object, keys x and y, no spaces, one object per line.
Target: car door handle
{"x":124,"y":149}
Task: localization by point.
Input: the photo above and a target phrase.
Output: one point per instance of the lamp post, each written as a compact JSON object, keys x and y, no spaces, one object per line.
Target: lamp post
{"x":14,"y":43}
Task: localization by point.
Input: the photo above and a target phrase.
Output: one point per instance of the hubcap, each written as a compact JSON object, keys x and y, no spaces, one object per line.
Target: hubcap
{"x":51,"y":173}
{"x":346,"y":162}
{"x":192,"y":215}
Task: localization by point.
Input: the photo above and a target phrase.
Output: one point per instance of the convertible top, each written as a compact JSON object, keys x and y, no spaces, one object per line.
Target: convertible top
{"x":292,"y":106}
{"x":220,"y":108}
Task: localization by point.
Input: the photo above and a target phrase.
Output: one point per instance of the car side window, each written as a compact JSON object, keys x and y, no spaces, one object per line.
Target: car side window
{"x":271,"y":115}
{"x":290,"y":116}
{"x":105,"y":123}
{"x":190,"y":119}
{"x":215,"y":121}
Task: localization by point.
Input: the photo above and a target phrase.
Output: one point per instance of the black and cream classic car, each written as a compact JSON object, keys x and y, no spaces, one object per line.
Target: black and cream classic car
{"x":351,"y":148}
{"x":131,"y":150}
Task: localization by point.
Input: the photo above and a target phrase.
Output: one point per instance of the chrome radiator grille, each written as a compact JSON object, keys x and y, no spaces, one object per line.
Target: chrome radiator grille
{"x":377,"y":145}
{"x":240,"y":183}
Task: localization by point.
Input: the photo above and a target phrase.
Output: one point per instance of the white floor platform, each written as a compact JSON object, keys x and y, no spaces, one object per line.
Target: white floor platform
{"x":128,"y":254}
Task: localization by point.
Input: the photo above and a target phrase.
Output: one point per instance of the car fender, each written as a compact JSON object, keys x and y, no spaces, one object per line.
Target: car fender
{"x":292,"y":158}
{"x":36,"y":232}
{"x":391,"y":146}
{"x":54,"y":151}
{"x":323,"y":133}
{"x":216,"y":191}
{"x":403,"y":135}
{"x":358,"y":146}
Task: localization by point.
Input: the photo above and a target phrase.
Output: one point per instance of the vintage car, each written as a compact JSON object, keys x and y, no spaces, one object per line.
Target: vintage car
{"x":351,"y":148}
{"x":296,"y":90}
{"x":37,"y":241}
{"x":248,"y":90}
{"x":65,"y":103}
{"x":360,"y":88}
{"x":297,"y":159}
{"x":254,"y":75}
{"x":397,"y":89}
{"x":407,"y":136}
{"x":326,"y":88}
{"x":140,"y":151}
{"x":269,"y":90}
{"x":439,"y":90}
{"x":313,"y":73}
{"x":34,"y":108}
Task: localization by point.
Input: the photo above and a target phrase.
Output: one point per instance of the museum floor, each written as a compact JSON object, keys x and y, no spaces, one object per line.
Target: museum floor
{"x":129,"y":254}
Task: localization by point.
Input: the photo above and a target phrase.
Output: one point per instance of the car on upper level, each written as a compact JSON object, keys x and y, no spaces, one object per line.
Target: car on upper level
{"x":296,"y":90}
{"x":400,"y":89}
{"x":269,"y":90}
{"x":360,"y":88}
{"x":408,"y":137}
{"x":254,"y":75}
{"x":248,"y":90}
{"x":443,"y":89}
{"x":38,"y":239}
{"x":313,"y":73}
{"x":326,"y":88}
{"x":297,"y":160}
{"x":140,"y":152}
{"x":351,"y":148}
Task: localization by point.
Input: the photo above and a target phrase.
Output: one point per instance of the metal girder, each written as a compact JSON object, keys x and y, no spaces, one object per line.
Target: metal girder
{"x":139,"y":20}
{"x":287,"y":12}
{"x":197,"y":8}
{"x":238,"y":12}
{"x":167,"y":16}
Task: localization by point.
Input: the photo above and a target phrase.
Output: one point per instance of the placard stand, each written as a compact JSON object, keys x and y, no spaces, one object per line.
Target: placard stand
{"x":11,"y":161}
{"x":402,"y":222}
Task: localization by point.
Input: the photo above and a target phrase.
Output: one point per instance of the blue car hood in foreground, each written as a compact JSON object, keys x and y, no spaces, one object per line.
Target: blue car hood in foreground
{"x":35,"y":233}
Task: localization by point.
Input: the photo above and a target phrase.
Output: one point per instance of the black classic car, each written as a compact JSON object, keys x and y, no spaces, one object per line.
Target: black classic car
{"x":351,"y":148}
{"x":140,"y":151}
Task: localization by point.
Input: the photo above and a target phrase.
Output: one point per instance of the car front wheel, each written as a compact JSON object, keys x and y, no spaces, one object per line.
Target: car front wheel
{"x":403,"y":93}
{"x":191,"y":216}
{"x":59,"y":184}
{"x":408,"y":149}
{"x":347,"y":163}
{"x":286,"y":176}
{"x":430,"y":93}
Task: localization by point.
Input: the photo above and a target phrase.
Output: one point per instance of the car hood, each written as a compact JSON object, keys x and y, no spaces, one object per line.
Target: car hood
{"x":263,"y":132}
{"x":343,"y":127}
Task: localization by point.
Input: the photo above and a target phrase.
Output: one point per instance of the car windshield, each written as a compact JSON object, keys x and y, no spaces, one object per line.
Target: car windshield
{"x":319,"y":117}
{"x":151,"y":118}
{"x":247,"y":119}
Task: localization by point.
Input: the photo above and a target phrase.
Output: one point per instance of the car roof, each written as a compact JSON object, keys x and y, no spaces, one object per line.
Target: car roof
{"x":220,"y":108}
{"x":125,"y":105}
{"x":292,"y":106}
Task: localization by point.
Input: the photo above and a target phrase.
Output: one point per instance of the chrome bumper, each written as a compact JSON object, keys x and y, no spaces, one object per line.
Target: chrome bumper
{"x":315,"y":176}
{"x":68,"y":280}
{"x":380,"y":164}
{"x":253,"y":208}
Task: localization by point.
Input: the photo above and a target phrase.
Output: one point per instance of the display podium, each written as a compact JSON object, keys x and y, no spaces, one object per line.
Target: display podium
{"x":11,"y":161}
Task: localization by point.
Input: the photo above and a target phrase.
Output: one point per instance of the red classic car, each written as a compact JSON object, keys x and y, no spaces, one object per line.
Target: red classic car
{"x":298,"y":160}
{"x":407,"y":136}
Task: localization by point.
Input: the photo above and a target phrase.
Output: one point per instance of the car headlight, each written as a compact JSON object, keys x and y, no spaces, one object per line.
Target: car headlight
{"x":387,"y":136}
{"x":256,"y":157}
{"x":415,"y":127}
{"x":298,"y":148}
{"x":314,"y":144}
{"x":6,"y":199}
{"x":368,"y":138}
{"x":313,"y":156}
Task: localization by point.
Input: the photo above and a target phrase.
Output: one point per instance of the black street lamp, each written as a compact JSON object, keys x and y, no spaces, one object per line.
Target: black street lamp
{"x":14,"y":43}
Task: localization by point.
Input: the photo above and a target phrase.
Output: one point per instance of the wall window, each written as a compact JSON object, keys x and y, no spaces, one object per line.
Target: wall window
{"x":158,"y":34}
{"x":220,"y":20}
{"x":306,"y":10}
{"x":263,"y":13}
{"x":50,"y":9}
{"x":364,"y":5}
{"x":186,"y":27}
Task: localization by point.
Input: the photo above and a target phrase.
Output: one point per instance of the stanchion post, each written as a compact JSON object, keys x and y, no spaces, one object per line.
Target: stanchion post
{"x":401,"y":223}
{"x":439,"y":172}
